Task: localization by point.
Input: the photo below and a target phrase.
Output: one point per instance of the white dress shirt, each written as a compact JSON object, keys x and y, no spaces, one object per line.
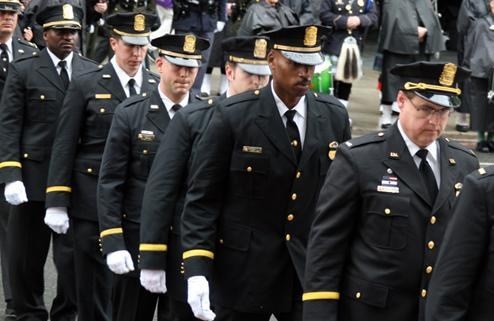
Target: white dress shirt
{"x":56,"y":60}
{"x":124,"y":78}
{"x":169,"y":104}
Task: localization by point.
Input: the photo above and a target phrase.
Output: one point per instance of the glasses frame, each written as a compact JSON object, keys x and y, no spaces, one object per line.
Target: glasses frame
{"x":442,"y":112}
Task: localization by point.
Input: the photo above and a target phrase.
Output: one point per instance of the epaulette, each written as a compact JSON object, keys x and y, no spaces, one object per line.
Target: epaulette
{"x":203,"y":96}
{"x":133,"y":100}
{"x":484,"y":172}
{"x":458,"y":146}
{"x":88,"y":59}
{"x":35,"y":54}
{"x":365,"y":140}
{"x":201,"y":104}
{"x":243,"y":97}
{"x":27,"y":43}
{"x":325,"y":98}
{"x":154,"y":75}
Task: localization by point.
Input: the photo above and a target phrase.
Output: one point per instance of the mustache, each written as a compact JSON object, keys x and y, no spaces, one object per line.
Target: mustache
{"x":304,"y":81}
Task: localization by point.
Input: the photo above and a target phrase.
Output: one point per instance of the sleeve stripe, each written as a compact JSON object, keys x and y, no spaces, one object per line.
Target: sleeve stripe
{"x":321,"y":296}
{"x":59,"y":189}
{"x":10,"y":164}
{"x":191,"y":253}
{"x":153,"y":247}
{"x":111,"y":231}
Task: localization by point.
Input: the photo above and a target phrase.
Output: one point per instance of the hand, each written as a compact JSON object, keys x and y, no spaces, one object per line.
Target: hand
{"x":100,"y":7}
{"x":28,"y":34}
{"x":219,"y":26}
{"x":15,"y":193}
{"x":353,"y":22}
{"x":422,"y":33}
{"x":153,"y":280}
{"x":57,"y":219}
{"x":120,"y":262}
{"x":198,"y":298}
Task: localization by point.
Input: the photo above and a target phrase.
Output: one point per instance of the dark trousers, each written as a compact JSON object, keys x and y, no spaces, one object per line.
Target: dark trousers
{"x":181,"y":311}
{"x":28,"y":245}
{"x":93,"y":278}
{"x":4,"y":219}
{"x":226,"y":314}
{"x":342,"y":89}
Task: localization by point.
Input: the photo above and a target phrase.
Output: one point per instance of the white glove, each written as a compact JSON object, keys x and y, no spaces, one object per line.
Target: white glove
{"x":120,"y":262}
{"x":220,"y":25}
{"x":198,"y":298}
{"x":153,"y":280}
{"x":15,"y":193}
{"x":57,"y":219}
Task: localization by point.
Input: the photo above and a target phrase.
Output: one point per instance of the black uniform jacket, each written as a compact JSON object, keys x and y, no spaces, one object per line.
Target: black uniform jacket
{"x":20,"y":48}
{"x":83,"y":127}
{"x":165,"y":193}
{"x":250,"y":205}
{"x":135,"y":134}
{"x":376,"y":235}
{"x":462,"y":285}
{"x":31,"y":101}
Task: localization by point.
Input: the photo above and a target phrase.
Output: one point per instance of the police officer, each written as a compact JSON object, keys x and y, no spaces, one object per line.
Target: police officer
{"x":137,"y":128}
{"x":34,"y":91}
{"x":160,"y":249}
{"x":384,"y":206}
{"x":461,"y":285}
{"x":255,"y":179}
{"x":81,"y":133}
{"x":11,"y":48}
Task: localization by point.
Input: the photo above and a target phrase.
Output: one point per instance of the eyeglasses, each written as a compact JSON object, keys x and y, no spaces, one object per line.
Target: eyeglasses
{"x":426,"y":112}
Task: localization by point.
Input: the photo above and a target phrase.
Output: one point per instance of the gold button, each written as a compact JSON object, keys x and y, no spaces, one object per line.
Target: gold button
{"x":423,"y":293}
{"x":387,"y":211}
{"x":433,"y":220}
{"x":102,"y":110}
{"x":295,"y":143}
{"x":26,"y":155}
{"x":249,"y":169}
{"x":428,"y":269}
{"x":294,"y":196}
{"x":145,"y":151}
{"x":430,"y":245}
{"x":290,"y":217}
{"x":221,"y":242}
{"x":89,"y":170}
{"x":124,"y":215}
{"x":358,"y":295}
{"x":288,"y":237}
{"x":298,"y":174}
{"x":42,"y":97}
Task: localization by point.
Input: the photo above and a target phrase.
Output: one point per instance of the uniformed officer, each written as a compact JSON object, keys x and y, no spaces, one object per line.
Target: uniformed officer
{"x":255,"y":180}
{"x":160,"y":250}
{"x":34,"y":92}
{"x":137,"y":128}
{"x":10,"y":49}
{"x":82,"y":130}
{"x":386,"y":201}
{"x":461,"y":285}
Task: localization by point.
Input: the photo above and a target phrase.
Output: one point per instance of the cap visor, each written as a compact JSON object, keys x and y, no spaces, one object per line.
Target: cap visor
{"x":9,"y":9}
{"x":262,"y":70}
{"x":440,"y":99}
{"x":138,"y":40}
{"x":310,"y":58}
{"x":67,"y":26}
{"x":192,"y":63}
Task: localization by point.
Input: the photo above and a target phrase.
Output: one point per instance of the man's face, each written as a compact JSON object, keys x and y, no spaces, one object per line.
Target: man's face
{"x":175,"y":81}
{"x":290,"y":79}
{"x":128,"y":57}
{"x":241,"y":81}
{"x":60,"y":41}
{"x":422,"y":121}
{"x":8,"y":22}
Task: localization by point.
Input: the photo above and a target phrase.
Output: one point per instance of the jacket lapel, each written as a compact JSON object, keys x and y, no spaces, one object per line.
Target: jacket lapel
{"x":77,"y":66}
{"x":314,"y":123}
{"x":448,"y":174}
{"x":148,"y":83}
{"x":111,"y":82}
{"x":48,"y":71}
{"x":158,"y":117}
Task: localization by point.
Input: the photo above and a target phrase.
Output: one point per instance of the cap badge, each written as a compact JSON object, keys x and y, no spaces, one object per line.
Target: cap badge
{"x":190,"y":43}
{"x":139,"y":22}
{"x":260,"y":48}
{"x":448,"y":75}
{"x":68,"y":12}
{"x":310,"y":38}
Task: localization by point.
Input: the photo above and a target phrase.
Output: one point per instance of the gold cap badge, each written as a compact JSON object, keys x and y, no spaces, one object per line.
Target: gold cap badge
{"x":260,"y":48}
{"x":68,"y":12}
{"x":310,"y":38}
{"x":448,"y":75}
{"x":139,"y":22}
{"x":333,"y":146}
{"x":190,"y":43}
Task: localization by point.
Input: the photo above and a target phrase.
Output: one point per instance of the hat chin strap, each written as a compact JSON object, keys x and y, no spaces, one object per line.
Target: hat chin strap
{"x":424,"y":86}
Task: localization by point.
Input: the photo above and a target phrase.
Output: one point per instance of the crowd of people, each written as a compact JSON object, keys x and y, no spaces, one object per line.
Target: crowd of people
{"x":162,"y":201}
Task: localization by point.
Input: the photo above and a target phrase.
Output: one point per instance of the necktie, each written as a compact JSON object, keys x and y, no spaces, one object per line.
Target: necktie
{"x":4,"y":58}
{"x":293,"y":133}
{"x":176,"y":107}
{"x":64,"y":76}
{"x":132,"y":90}
{"x":427,"y":174}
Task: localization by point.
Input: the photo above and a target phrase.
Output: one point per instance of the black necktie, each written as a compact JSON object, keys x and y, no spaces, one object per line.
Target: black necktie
{"x":132,"y":90}
{"x":293,"y":133}
{"x":4,"y":58}
{"x":176,"y":107}
{"x":427,"y":174}
{"x":64,"y":76}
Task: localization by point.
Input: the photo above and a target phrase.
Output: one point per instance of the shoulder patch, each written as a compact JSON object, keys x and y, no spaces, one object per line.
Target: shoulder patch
{"x":458,"y":146}
{"x":366,"y":139}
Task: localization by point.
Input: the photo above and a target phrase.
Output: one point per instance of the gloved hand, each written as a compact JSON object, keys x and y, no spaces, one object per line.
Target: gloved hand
{"x":220,"y":25}
{"x":198,"y":298}
{"x":15,"y":193}
{"x":120,"y":262}
{"x":57,"y":219}
{"x":153,"y":280}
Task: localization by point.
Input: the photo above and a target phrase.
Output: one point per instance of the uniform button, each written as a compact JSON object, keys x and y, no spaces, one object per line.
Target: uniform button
{"x":428,"y":269}
{"x":102,"y":110}
{"x":387,"y":211}
{"x":145,"y":151}
{"x":298,"y":174}
{"x":290,"y":217}
{"x":358,"y":295}
{"x":423,"y":293}
{"x":249,"y":169}
{"x":42,"y":97}
{"x":26,"y":155}
{"x":124,"y":215}
{"x":89,"y":170}
{"x":288,"y":237}
{"x":430,"y":245}
{"x":294,"y":196}
{"x":221,"y":241}
{"x":294,"y":143}
{"x":433,"y":220}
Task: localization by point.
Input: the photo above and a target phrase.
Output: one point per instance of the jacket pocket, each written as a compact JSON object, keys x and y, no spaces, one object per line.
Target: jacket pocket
{"x":366,"y":292}
{"x":235,"y":236}
{"x":86,"y":166}
{"x":43,"y":105}
{"x":249,"y":175}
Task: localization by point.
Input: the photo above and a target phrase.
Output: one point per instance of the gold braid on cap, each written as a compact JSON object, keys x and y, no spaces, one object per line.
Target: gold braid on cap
{"x":62,"y":23}
{"x":122,"y":33}
{"x":297,"y":49}
{"x":424,"y":86}
{"x":179,"y":55}
{"x":241,"y":60}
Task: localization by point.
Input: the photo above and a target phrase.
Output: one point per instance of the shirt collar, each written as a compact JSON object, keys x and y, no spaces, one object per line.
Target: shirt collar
{"x":56,"y":60}
{"x":413,"y":148}
{"x":124,"y":77}
{"x":9,"y":45}
{"x":282,"y":108}
{"x":169,"y":104}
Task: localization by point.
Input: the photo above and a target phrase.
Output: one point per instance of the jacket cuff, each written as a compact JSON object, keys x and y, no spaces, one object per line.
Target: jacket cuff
{"x":152,"y":256}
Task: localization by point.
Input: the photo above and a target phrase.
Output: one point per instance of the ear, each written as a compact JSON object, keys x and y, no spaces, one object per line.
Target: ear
{"x":272,"y":60}
{"x":113,"y":43}
{"x":400,"y":99}
{"x":229,"y":72}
